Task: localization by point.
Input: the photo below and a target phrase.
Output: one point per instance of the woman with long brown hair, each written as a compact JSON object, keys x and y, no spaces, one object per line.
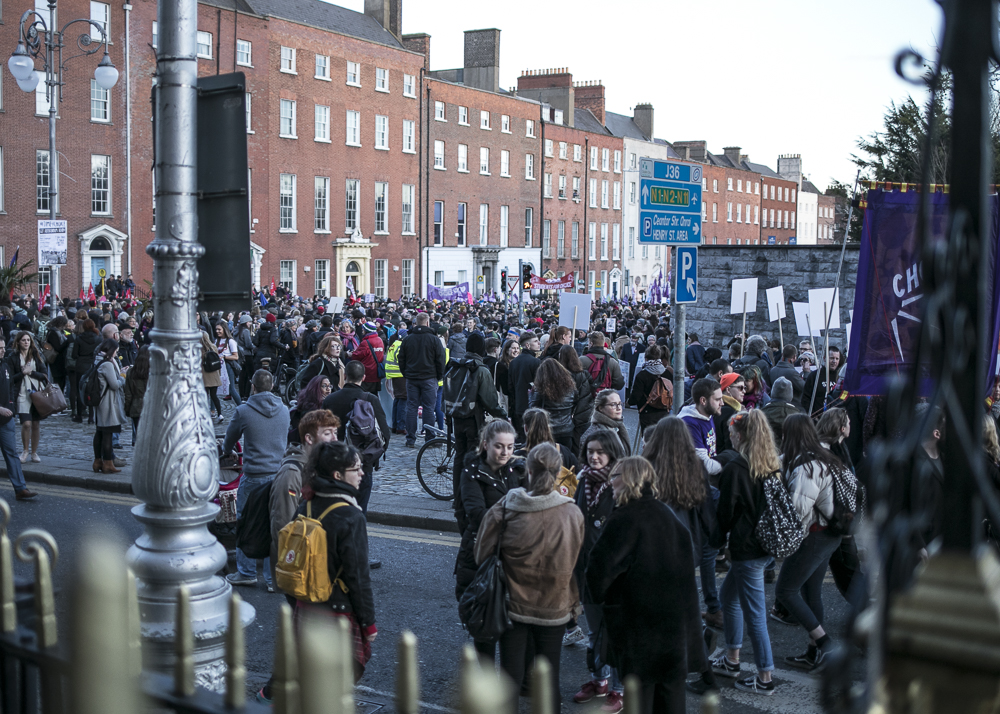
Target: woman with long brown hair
{"x":741,"y":501}
{"x":326,"y":362}
{"x":583,"y":397}
{"x":85,"y":347}
{"x":510,"y":350}
{"x":28,"y":374}
{"x":554,"y":392}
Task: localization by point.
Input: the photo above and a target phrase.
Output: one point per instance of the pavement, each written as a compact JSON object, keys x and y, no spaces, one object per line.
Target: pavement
{"x":66,"y":452}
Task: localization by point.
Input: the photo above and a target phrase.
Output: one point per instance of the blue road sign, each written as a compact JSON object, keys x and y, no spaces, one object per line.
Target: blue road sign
{"x":687,"y":274}
{"x":669,"y":202}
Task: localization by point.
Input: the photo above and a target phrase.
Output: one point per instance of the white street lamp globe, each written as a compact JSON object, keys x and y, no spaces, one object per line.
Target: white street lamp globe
{"x":29,"y":84}
{"x":106,"y":74}
{"x":20,"y":64}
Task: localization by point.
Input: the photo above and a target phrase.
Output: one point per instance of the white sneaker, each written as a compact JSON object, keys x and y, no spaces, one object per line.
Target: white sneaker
{"x":35,"y":459}
{"x":573,"y":636}
{"x":24,"y":456}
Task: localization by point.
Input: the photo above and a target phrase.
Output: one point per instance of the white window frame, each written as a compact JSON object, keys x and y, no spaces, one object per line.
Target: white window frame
{"x":605,"y":159}
{"x":715,"y":213}
{"x":323,"y":68}
{"x":321,"y":204}
{"x":100,"y":99}
{"x":504,"y":124}
{"x":353,"y":69}
{"x":380,"y":278}
{"x":563,"y":149}
{"x":382,"y":80}
{"x":617,"y":196}
{"x":381,"y":132}
{"x":354,"y":125}
{"x":562,"y":186}
{"x":409,"y":136}
{"x":408,"y":195}
{"x":381,"y":224}
{"x":410,"y":86}
{"x":529,"y":226}
{"x":96,"y":190}
{"x":547,"y":187}
{"x":604,"y":241}
{"x":529,"y":128}
{"x":463,"y":159}
{"x":288,"y":199}
{"x":200,"y":42}
{"x":616,"y":241}
{"x":504,"y":225}
{"x":438,"y":225}
{"x":407,"y":276}
{"x":484,"y":160}
{"x":631,"y":242}
{"x":484,"y":120}
{"x":529,"y":167}
{"x":548,"y":148}
{"x":729,"y":212}
{"x":321,"y":121}
{"x":100,"y":12}
{"x":618,"y":161}
{"x":351,"y":204}
{"x":463,"y":115}
{"x":439,"y":149}
{"x":287,"y":268}
{"x":440,"y":112}
{"x":461,"y":223}
{"x":505,"y":163}
{"x":592,"y":241}
{"x":287,"y":62}
{"x":593,"y":158}
{"x":284,"y":116}
{"x":729,"y":183}
{"x":574,"y":242}
{"x":604,"y":193}
{"x":244,"y":47}
{"x":577,"y":153}
{"x":546,"y":238}
{"x":321,"y":277}
{"x":593,"y":193}
{"x":484,"y":223}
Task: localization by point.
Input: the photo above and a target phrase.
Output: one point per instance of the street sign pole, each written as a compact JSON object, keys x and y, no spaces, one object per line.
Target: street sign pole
{"x":520,"y":293}
{"x":680,"y":339}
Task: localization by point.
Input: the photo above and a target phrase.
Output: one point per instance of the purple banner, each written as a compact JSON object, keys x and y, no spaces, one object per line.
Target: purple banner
{"x":888,"y":303}
{"x":457,"y":292}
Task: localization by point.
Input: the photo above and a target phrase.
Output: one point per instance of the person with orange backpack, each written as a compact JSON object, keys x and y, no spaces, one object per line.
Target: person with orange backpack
{"x":652,"y":391}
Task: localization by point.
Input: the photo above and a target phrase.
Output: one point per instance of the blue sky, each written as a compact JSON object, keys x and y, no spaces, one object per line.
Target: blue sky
{"x":771,"y":76}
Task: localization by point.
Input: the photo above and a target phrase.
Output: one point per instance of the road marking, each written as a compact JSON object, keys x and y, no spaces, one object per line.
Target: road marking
{"x":392,"y":698}
{"x":431,"y":540}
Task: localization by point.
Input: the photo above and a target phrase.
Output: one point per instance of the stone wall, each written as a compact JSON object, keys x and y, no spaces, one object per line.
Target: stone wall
{"x":797,"y":268}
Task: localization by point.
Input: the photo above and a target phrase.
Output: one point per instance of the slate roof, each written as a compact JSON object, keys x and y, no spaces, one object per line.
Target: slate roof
{"x":240,"y":5}
{"x":721,"y":160}
{"x":761,"y":169}
{"x":584,"y":119}
{"x":809,"y":187}
{"x":623,"y":126}
{"x":328,"y":17}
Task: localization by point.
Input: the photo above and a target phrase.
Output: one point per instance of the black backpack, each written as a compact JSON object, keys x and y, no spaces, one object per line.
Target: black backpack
{"x":845,"y":502}
{"x":91,"y":393}
{"x":211,"y":362}
{"x":459,"y":394}
{"x":253,"y":529}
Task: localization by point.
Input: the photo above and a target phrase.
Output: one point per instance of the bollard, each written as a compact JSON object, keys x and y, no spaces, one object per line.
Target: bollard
{"x":407,"y":675}
{"x":320,"y":683}
{"x":29,"y":550}
{"x":134,"y":626}
{"x":541,"y":687}
{"x":8,"y":606}
{"x":236,"y":673}
{"x":285,"y":687}
{"x":633,"y":695}
{"x":184,"y":645}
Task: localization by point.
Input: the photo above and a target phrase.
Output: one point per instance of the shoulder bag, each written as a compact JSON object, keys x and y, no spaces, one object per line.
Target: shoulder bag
{"x":484,"y":605}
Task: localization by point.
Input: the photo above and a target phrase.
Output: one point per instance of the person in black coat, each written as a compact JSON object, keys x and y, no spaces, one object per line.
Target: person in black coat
{"x":327,"y":362}
{"x":487,"y":477}
{"x":84,"y":348}
{"x":520,"y":375}
{"x":652,"y":370}
{"x":583,"y":396}
{"x":341,"y":403}
{"x":642,"y":572}
{"x":555,"y":392}
{"x":267,"y":343}
{"x":57,"y":336}
{"x":595,"y":498}
{"x":630,"y":355}
{"x":336,"y":476}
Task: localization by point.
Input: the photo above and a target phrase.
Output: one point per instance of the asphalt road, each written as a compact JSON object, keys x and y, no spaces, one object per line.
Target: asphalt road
{"x":414,"y":590}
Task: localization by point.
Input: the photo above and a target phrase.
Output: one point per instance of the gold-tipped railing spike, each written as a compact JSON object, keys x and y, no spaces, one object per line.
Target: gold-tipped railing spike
{"x":29,"y":546}
{"x":101,"y":678}
{"x":633,"y":695}
{"x":920,"y":697}
{"x":320,"y":685}
{"x":134,"y":626}
{"x":183,"y":645}
{"x":469,"y":666}
{"x":485,"y":693}
{"x":345,"y":646}
{"x":541,"y":687}
{"x":710,"y":703}
{"x":407,"y":675}
{"x":285,"y":687}
{"x":236,"y":673}
{"x":8,"y":606}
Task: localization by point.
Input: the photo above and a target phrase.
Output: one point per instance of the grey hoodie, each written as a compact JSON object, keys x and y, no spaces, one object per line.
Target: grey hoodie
{"x":262,"y":421}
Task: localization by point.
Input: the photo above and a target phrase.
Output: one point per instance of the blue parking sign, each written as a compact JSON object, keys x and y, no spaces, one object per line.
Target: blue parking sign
{"x":687,"y":274}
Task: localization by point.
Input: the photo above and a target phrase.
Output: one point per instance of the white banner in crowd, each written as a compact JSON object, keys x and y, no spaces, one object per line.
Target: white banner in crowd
{"x":744,"y":296}
{"x":775,"y":303}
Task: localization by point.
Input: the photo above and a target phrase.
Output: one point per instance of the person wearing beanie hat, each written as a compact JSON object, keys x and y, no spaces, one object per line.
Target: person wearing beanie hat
{"x":733,"y":386}
{"x":780,"y":407}
{"x":271,"y":318}
{"x":476,"y":344}
{"x":267,"y":343}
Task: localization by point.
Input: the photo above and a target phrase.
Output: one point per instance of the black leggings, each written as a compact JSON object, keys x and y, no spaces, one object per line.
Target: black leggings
{"x":545,"y":640}
{"x":213,"y":396}
{"x":663,"y":697}
{"x":102,"y":445}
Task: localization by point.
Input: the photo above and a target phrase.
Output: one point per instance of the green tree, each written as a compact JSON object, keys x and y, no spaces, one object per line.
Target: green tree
{"x":13,"y":277}
{"x":843,"y":190}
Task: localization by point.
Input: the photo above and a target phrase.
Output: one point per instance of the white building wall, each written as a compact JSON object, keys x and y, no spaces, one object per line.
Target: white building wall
{"x":633,"y":262}
{"x":455,"y":265}
{"x":807,"y":214}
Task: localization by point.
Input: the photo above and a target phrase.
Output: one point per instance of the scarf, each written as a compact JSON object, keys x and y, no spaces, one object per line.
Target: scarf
{"x":594,"y":482}
{"x":654,"y":367}
{"x":602,"y":419}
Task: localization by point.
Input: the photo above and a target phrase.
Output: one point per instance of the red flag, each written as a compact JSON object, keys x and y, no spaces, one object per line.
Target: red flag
{"x":45,"y":295}
{"x":90,"y":293}
{"x":128,"y":293}
{"x":272,"y":286}
{"x":81,"y":293}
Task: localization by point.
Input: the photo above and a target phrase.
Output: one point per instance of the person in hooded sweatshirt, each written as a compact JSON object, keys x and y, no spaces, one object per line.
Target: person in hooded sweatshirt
{"x":466,"y":427}
{"x":262,"y":422}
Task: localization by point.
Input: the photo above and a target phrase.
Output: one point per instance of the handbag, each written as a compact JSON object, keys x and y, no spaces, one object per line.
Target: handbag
{"x":49,"y":353}
{"x":227,"y":506}
{"x":484,"y":605}
{"x":49,"y":400}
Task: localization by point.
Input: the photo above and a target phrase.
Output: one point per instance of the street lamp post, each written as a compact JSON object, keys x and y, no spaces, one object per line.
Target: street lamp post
{"x":40,"y":38}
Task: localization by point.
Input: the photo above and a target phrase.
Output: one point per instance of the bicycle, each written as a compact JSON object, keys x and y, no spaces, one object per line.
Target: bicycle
{"x":435,"y":464}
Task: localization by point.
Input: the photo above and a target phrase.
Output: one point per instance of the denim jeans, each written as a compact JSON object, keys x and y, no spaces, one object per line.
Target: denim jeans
{"x":234,"y":391}
{"x":248,"y":566}
{"x":800,"y":583}
{"x":595,"y":614}
{"x":742,"y":595}
{"x":438,"y":411}
{"x":419,"y":393}
{"x":709,"y":584}
{"x":398,"y":414}
{"x":8,"y":444}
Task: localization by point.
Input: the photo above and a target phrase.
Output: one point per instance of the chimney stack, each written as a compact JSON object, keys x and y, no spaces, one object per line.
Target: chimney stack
{"x":590,"y":95}
{"x":482,"y":59}
{"x":733,"y":154}
{"x":387,"y":13}
{"x":421,"y":44}
{"x":642,"y":115}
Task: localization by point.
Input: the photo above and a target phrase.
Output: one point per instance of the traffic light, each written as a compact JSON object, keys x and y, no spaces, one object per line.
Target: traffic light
{"x":526,"y":276}
{"x":503,"y":281}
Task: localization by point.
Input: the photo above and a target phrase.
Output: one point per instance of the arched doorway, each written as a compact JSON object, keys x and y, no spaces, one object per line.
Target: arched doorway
{"x":353,"y":272}
{"x":101,"y":248}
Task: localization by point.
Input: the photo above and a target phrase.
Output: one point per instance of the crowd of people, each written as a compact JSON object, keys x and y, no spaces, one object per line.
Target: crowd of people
{"x":603,"y":535}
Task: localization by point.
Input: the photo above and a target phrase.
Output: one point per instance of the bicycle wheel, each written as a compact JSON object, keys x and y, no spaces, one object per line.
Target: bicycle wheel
{"x":434,"y":468}
{"x":290,"y":392}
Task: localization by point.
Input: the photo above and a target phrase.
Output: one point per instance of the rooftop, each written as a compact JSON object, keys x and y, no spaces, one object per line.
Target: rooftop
{"x":327,"y":17}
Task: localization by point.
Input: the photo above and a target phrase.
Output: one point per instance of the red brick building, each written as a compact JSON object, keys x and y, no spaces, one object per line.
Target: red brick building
{"x":778,"y":209}
{"x":826,"y":219}
{"x":92,"y":150}
{"x":481,"y":171}
{"x":582,"y":182}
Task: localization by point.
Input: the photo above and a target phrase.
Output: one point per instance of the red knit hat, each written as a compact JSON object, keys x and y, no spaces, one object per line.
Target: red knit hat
{"x":730,"y":379}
